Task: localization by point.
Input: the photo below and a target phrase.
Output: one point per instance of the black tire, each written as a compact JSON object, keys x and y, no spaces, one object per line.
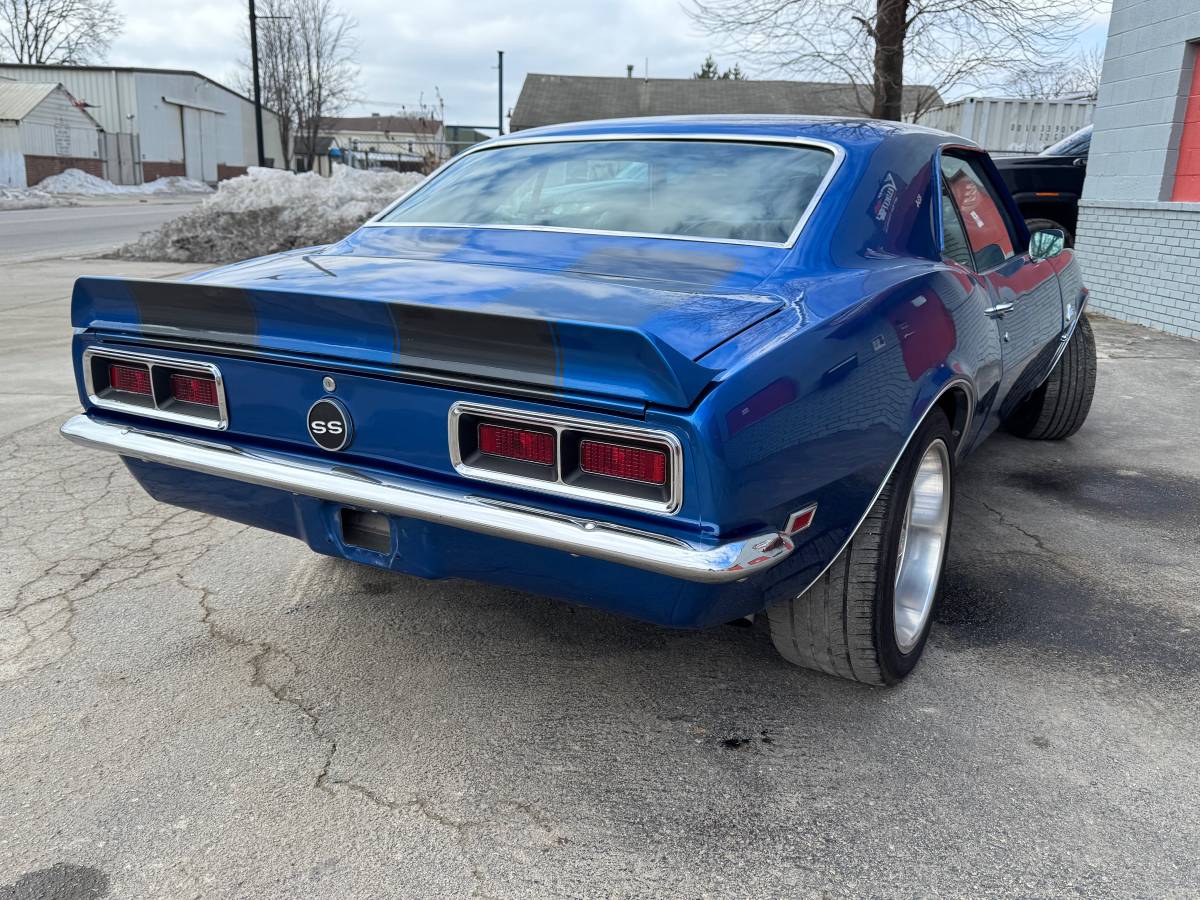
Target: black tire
{"x":1037,"y":223}
{"x":1058,"y":408}
{"x":844,"y":624}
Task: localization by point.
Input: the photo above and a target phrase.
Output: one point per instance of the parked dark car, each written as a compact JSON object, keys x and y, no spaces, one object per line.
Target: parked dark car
{"x":1047,"y":186}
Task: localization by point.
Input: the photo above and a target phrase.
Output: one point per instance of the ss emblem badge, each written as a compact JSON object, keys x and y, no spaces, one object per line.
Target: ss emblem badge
{"x":329,"y":424}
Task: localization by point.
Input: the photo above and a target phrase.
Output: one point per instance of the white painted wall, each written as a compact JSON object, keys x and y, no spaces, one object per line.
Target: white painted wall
{"x":1140,"y":252}
{"x":110,"y":94}
{"x":56,"y":127}
{"x":227,"y":120}
{"x":1143,"y":96}
{"x":12,"y":160}
{"x":132,"y":101}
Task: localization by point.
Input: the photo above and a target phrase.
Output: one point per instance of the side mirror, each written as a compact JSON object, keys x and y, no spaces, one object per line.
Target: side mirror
{"x":1047,"y":243}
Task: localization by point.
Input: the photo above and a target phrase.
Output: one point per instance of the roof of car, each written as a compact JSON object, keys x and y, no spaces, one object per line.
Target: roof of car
{"x":835,"y":129}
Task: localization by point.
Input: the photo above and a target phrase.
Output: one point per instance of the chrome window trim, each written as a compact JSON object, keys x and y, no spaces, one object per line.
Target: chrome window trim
{"x":558,"y":424}
{"x":186,"y":365}
{"x":839,"y":156}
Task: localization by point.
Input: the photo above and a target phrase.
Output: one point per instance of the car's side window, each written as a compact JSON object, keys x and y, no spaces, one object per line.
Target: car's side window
{"x":989,"y":231}
{"x":954,"y":237}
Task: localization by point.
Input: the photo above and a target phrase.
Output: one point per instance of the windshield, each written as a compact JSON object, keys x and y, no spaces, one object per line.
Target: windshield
{"x":724,"y":190}
{"x":1076,"y":144}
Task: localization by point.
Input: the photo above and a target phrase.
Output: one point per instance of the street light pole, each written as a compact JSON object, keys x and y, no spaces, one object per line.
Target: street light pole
{"x":258,"y":128}
{"x":500,"y":54}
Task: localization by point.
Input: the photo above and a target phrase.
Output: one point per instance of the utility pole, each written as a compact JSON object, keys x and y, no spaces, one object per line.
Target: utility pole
{"x":258,"y":131}
{"x":500,"y":122}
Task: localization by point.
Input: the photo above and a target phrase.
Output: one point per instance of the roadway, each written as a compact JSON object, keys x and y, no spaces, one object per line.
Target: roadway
{"x":33,"y":234}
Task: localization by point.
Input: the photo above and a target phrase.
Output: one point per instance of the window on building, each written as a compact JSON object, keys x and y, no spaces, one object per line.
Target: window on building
{"x":1187,"y":169}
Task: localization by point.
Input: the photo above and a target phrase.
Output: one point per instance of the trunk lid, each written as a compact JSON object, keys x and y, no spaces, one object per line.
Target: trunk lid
{"x":561,"y":331}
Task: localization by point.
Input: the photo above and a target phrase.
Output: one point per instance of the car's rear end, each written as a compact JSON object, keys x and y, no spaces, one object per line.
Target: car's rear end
{"x":529,"y":405}
{"x":495,"y":439}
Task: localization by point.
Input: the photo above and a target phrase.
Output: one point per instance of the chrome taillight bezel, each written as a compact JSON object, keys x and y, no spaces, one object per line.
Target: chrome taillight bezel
{"x":160,"y":404}
{"x":559,"y":479}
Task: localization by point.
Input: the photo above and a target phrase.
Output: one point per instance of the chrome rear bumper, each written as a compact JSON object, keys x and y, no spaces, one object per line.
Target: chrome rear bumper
{"x":663,"y":555}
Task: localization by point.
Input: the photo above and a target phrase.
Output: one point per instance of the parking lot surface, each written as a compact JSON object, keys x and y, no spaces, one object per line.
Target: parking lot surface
{"x":192,"y":709}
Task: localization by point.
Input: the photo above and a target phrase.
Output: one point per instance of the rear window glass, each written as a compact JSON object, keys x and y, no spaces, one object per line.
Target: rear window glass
{"x":725,"y":190}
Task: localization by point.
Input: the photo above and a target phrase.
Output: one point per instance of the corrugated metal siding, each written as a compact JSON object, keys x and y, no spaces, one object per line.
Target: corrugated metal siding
{"x":110,"y":95}
{"x":1007,"y":126}
{"x":161,"y":121}
{"x":56,"y":127}
{"x":12,"y":160}
{"x":133,"y":102}
{"x":17,"y":98}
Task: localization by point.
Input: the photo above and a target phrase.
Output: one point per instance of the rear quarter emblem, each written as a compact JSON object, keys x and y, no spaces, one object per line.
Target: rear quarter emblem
{"x":329,"y":424}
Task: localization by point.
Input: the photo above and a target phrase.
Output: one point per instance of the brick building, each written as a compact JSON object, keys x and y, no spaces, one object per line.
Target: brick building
{"x":1139,"y":219}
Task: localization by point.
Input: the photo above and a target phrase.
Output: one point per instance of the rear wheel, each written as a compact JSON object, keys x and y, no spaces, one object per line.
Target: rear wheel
{"x":1059,"y":407}
{"x":867,"y":618}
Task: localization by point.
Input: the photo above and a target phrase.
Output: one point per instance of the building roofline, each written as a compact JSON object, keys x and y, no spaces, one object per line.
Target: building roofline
{"x":136,"y":69}
{"x":740,"y":81}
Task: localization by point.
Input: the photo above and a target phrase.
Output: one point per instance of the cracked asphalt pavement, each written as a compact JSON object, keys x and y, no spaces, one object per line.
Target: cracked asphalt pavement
{"x":189,"y":708}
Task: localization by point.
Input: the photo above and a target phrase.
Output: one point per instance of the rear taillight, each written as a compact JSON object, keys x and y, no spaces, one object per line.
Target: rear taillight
{"x":130,"y":379}
{"x":620,"y":461}
{"x":621,"y":464}
{"x":176,"y":390}
{"x":200,"y":389}
{"x":517,"y":443}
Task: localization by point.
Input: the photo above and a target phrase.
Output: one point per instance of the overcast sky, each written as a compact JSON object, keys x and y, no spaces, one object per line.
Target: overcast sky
{"x":408,"y":49}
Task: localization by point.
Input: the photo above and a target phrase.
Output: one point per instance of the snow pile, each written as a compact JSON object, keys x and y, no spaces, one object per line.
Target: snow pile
{"x":269,"y":210}
{"x":29,"y":198}
{"x":76,"y":181}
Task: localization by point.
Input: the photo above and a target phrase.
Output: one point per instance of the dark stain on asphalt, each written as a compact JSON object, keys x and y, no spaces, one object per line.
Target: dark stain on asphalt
{"x":1146,"y":495}
{"x":62,"y":881}
{"x":1034,"y":604}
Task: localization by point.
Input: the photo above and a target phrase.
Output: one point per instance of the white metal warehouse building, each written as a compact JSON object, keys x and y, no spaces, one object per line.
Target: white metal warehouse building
{"x":161,"y":122}
{"x":43,"y":132}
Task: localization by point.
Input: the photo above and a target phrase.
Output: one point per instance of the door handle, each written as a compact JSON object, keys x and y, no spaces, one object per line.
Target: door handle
{"x":998,"y":311}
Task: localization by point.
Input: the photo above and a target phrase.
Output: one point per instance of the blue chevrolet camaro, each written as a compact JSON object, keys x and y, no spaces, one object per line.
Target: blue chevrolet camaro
{"x":685,"y":369}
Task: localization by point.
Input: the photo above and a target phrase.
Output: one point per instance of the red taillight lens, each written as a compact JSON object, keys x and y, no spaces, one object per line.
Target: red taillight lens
{"x":617,"y":461}
{"x":194,"y":389}
{"x":131,"y":379}
{"x":517,"y":443}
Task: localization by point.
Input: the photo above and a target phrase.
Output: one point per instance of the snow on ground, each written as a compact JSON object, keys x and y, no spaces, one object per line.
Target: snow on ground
{"x":76,"y":181}
{"x":269,"y":210}
{"x":29,"y":198}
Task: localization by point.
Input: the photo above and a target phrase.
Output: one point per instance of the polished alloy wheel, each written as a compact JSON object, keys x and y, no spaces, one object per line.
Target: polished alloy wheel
{"x":922,"y":545}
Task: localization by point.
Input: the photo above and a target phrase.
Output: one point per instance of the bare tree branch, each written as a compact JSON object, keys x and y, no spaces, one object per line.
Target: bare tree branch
{"x":306,"y":55}
{"x":1080,"y":79}
{"x":57,"y":32}
{"x":878,"y":46}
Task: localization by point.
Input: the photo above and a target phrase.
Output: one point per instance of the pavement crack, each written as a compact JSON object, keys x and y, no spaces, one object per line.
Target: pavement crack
{"x":1037,"y":540}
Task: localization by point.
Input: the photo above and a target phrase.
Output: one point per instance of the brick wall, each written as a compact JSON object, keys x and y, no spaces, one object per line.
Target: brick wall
{"x":1140,"y":253}
{"x":153,"y":170}
{"x":224,"y":171}
{"x":40,"y":167}
{"x":1142,"y":262}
